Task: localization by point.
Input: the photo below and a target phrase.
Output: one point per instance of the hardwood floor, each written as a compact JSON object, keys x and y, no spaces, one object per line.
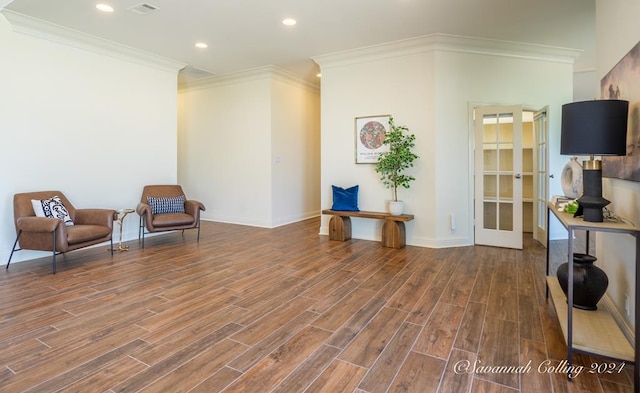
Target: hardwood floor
{"x":285,"y":310}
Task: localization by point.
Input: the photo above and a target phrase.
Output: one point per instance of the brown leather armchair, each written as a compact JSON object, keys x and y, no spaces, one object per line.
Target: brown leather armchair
{"x":165,"y":208}
{"x":90,"y":226}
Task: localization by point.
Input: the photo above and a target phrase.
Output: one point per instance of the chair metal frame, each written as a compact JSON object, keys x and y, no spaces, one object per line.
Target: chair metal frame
{"x":142,"y":232}
{"x":14,"y":249}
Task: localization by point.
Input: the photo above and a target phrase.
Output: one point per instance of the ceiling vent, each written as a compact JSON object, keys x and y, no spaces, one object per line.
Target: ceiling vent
{"x":143,"y":9}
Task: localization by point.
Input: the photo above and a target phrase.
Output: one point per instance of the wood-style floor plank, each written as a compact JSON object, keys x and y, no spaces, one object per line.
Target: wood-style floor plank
{"x":202,"y":366}
{"x":390,"y":360}
{"x":102,"y":380}
{"x":268,"y":372}
{"x":419,"y":373}
{"x":440,"y":331}
{"x":308,"y":371}
{"x":175,"y":360}
{"x":350,"y":329}
{"x":270,"y":343}
{"x":468,"y":335}
{"x":281,"y":316}
{"x":342,"y":310}
{"x":533,"y":355}
{"x":285,"y":310}
{"x":456,"y":378}
{"x":499,"y":347}
{"x":339,"y":377}
{"x":367,"y":346}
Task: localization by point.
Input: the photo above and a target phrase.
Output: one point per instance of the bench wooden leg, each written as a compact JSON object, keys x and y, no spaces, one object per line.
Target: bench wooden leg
{"x":393,"y":234}
{"x":340,"y":228}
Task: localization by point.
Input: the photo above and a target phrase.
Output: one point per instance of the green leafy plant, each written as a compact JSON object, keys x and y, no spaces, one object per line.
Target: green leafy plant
{"x":392,"y":164}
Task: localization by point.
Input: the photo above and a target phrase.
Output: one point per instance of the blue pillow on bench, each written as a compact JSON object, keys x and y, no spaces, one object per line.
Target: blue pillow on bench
{"x":345,"y":199}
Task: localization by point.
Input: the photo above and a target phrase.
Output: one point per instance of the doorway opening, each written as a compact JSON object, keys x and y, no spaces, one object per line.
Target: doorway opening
{"x":510,"y":174}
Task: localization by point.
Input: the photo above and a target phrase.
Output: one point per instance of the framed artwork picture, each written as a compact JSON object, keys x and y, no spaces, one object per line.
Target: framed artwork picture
{"x":370,"y":133}
{"x":622,"y":83}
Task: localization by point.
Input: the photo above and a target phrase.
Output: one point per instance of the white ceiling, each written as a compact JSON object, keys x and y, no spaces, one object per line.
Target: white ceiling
{"x":244,"y":34}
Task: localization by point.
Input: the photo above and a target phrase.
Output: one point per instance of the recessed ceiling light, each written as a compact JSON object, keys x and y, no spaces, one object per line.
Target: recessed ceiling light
{"x":201,"y":45}
{"x":104,"y":7}
{"x":289,"y":22}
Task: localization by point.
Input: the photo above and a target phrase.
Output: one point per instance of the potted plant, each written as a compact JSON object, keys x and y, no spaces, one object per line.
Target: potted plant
{"x":393,"y":163}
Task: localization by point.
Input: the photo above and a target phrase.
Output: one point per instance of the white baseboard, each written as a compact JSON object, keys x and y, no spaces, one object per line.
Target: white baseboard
{"x":620,"y":319}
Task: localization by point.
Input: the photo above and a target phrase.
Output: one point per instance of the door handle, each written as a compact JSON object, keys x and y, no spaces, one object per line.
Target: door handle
{"x":517,"y":176}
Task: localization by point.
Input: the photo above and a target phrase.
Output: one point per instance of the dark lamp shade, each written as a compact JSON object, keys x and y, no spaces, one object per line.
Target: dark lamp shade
{"x":597,"y":127}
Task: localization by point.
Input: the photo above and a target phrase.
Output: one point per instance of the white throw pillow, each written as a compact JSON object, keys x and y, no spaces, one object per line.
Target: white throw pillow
{"x":52,"y":207}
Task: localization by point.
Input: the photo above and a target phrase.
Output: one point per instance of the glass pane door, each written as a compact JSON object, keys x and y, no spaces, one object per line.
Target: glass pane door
{"x":540,"y":125}
{"x":498,"y":163}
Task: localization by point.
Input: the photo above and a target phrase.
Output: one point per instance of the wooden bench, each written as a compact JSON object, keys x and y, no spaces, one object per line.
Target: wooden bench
{"x":393,"y":232}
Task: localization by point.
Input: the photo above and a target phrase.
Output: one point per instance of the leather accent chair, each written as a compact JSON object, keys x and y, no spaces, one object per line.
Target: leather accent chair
{"x":167,"y":221}
{"x":91,"y":226}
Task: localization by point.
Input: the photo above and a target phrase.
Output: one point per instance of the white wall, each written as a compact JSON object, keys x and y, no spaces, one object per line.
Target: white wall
{"x":428,"y":84}
{"x":231,"y":128}
{"x":225,"y":148}
{"x":617,"y":32}
{"x":586,"y":85}
{"x":486,"y":79}
{"x":94,"y":126}
{"x":295,"y":158}
{"x":383,"y":85}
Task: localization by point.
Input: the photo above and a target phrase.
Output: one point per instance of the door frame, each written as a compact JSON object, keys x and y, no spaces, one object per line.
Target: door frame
{"x":471,"y":106}
{"x":537,"y":214}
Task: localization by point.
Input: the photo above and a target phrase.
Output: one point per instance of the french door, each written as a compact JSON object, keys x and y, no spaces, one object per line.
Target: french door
{"x":541,"y":176}
{"x":498,"y":176}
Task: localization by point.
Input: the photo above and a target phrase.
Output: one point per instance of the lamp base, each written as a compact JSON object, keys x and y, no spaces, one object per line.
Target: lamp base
{"x":592,"y":210}
{"x":592,"y":201}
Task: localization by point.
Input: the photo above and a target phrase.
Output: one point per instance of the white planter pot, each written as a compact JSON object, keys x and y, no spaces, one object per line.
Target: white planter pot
{"x":396,"y":208}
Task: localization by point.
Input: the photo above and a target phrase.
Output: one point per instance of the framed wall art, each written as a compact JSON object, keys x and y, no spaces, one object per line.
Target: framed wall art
{"x":370,"y":132}
{"x":622,"y":83}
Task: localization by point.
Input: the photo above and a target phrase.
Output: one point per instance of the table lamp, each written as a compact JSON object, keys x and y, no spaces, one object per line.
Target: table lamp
{"x":594,"y":128}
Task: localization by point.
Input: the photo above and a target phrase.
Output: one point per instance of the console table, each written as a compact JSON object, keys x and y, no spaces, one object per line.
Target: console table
{"x":593,"y":332}
{"x":393,"y":232}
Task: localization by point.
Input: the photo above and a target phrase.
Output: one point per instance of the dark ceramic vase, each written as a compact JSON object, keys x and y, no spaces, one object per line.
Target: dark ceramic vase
{"x":589,"y":281}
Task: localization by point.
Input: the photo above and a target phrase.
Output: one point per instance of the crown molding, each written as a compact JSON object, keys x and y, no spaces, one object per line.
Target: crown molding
{"x":522,"y":50}
{"x":448,"y":43}
{"x":585,"y":71}
{"x":231,"y":78}
{"x":48,"y":31}
{"x":4,"y":3}
{"x":288,"y":77}
{"x":265,"y":72}
{"x":375,"y":52}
